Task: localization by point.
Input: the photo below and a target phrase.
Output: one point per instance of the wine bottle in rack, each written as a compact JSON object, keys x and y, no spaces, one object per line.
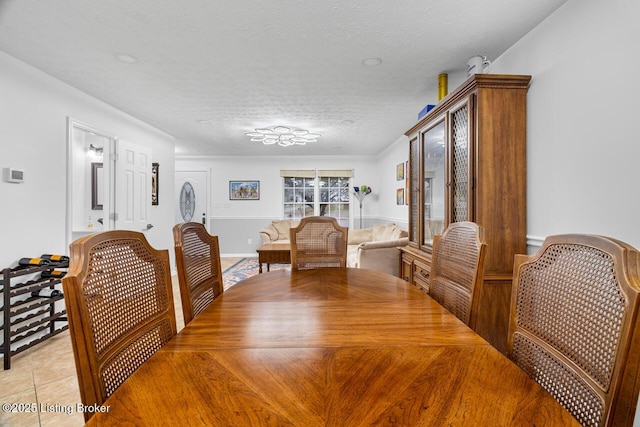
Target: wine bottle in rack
{"x":33,"y":261}
{"x":46,"y":293}
{"x":53,"y":274}
{"x":55,"y":257}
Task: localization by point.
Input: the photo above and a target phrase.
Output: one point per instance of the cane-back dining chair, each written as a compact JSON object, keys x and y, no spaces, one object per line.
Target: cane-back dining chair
{"x":198,"y":264}
{"x":575,"y":325}
{"x":457,"y":269}
{"x":318,"y":241}
{"x":120,"y":308}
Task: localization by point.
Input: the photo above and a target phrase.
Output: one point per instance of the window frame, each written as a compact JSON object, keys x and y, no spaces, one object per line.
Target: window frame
{"x":326,"y":200}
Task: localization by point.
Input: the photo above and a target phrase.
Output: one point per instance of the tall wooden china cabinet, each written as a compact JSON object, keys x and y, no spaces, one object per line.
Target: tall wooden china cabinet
{"x":467,"y":162}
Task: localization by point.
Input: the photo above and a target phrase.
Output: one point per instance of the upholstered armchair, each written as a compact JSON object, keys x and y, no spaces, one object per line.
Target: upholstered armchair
{"x":376,"y":248}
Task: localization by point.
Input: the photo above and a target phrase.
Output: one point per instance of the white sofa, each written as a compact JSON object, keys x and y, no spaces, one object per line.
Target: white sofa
{"x":374,"y":248}
{"x":277,"y":231}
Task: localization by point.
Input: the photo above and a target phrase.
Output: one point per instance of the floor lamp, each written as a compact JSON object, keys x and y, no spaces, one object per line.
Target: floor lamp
{"x":360,"y":193}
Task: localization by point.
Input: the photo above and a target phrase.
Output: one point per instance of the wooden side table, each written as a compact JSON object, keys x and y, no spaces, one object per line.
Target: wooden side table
{"x":274,"y":254}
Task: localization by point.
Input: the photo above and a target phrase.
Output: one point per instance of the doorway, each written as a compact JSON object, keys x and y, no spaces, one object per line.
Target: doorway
{"x":89,"y":177}
{"x":108,"y":183}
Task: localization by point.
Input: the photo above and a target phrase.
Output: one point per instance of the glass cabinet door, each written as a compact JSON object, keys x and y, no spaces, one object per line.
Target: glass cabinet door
{"x":433,"y":181}
{"x":414,"y":181}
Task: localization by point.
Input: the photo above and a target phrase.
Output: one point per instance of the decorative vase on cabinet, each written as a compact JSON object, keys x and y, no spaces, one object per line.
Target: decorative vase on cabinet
{"x":467,"y":162}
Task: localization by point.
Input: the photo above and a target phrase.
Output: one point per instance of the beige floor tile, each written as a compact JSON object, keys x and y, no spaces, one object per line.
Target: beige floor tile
{"x":177,"y":302}
{"x":21,"y":416}
{"x":19,"y":378}
{"x":58,"y":398}
{"x":63,"y":420}
{"x":53,"y":360}
{"x":226,"y":262}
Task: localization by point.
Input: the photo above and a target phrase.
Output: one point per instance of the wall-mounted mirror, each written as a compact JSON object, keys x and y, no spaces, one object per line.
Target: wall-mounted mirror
{"x":97,"y":186}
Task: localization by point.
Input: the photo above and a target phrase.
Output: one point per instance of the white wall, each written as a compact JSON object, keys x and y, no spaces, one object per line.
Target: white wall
{"x":396,"y":153}
{"x":583,"y":149}
{"x":34,"y":108}
{"x":237,"y":221}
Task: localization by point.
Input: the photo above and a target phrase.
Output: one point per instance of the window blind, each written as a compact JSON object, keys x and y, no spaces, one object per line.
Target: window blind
{"x":345,"y":173}
{"x":291,"y":173}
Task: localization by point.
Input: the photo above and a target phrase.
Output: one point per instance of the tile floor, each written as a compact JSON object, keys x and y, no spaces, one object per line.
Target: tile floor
{"x":45,"y":377}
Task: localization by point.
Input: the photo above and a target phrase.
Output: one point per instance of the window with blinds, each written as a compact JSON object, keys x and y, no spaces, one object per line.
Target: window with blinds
{"x":317,"y":192}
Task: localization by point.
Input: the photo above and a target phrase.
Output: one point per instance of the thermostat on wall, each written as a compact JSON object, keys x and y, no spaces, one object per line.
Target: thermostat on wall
{"x":14,"y":175}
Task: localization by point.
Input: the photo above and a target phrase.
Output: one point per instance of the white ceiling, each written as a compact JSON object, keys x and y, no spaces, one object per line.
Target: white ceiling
{"x":208,"y":71}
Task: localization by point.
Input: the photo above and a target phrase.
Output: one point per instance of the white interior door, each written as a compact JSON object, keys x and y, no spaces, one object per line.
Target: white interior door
{"x":133,"y":186}
{"x":191,"y":194}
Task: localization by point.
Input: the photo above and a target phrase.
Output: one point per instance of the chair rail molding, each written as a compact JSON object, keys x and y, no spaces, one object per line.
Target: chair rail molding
{"x":535,"y":241}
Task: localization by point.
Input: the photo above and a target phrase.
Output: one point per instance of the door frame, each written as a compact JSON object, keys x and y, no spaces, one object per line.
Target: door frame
{"x":107,"y":159}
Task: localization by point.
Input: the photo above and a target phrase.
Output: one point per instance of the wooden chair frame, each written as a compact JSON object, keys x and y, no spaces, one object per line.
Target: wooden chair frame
{"x":199,"y":269}
{"x":120,"y":308}
{"x":457,"y":270}
{"x":575,"y":325}
{"x":328,"y":250}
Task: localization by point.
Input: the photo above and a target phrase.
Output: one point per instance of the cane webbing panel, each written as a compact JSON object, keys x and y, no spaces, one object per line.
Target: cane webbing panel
{"x":199,"y":270}
{"x":456,"y":268}
{"x":123,"y":288}
{"x":120,"y":308}
{"x":574,"y":282}
{"x":124,"y":363}
{"x":574,"y":325}
{"x":318,"y":242}
{"x":460,"y":171}
{"x":565,"y":385}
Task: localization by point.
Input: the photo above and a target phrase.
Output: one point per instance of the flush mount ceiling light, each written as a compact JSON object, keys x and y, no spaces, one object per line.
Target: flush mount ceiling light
{"x":126,"y":58}
{"x":284,"y":136}
{"x":371,"y":62}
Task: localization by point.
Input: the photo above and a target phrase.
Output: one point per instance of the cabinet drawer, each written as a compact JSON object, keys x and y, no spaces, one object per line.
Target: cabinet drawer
{"x":421,"y":275}
{"x":422,"y":284}
{"x":421,"y":271}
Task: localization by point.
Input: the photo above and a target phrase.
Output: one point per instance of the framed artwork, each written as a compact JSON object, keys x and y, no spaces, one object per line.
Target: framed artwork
{"x":155,"y":170}
{"x":400,"y":172}
{"x":406,"y":183}
{"x":97,"y":186}
{"x":400,"y":196}
{"x":244,"y":190}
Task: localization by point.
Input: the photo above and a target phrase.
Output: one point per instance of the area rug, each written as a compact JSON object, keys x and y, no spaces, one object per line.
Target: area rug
{"x":245,"y":268}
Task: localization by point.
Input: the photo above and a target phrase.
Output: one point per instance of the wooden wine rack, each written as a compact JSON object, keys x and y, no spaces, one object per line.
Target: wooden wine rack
{"x":29,"y":321}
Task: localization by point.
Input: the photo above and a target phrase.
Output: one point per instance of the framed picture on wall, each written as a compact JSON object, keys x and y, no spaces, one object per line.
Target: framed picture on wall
{"x":400,"y":196}
{"x":400,"y":172}
{"x":406,"y":183}
{"x":244,"y":190}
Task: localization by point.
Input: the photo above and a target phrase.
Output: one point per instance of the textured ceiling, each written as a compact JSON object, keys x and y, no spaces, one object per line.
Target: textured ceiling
{"x":208,"y":71}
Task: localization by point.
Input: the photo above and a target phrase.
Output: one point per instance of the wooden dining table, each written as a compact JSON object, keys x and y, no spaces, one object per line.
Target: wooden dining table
{"x":329,"y":347}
